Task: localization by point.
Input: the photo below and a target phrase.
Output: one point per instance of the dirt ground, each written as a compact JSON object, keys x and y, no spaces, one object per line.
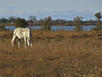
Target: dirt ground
{"x":53,"y":54}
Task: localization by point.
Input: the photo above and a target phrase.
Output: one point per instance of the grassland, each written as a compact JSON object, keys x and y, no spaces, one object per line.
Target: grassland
{"x":54,"y":54}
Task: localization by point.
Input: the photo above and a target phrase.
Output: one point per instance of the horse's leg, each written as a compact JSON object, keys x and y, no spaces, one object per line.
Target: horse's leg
{"x":19,"y":42}
{"x":28,"y":40}
{"x":13,"y":40}
{"x":31,"y":42}
{"x":25,"y":41}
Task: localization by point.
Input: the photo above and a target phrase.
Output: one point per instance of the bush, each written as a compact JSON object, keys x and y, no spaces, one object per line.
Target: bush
{"x":47,"y":23}
{"x":2,"y":27}
{"x":98,"y":26}
{"x":78,"y":23}
{"x":20,"y":22}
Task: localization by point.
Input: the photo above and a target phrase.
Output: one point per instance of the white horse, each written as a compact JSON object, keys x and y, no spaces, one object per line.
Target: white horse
{"x":20,"y":33}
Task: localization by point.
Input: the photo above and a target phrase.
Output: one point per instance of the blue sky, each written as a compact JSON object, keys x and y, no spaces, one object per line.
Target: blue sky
{"x":63,"y":9}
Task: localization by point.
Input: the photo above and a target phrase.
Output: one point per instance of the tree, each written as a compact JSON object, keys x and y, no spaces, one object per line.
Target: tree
{"x":78,"y":23}
{"x":3,"y":20}
{"x":11,"y":19}
{"x":98,"y":17}
{"x":32,"y":19}
{"x":47,"y":23}
{"x":19,"y":22}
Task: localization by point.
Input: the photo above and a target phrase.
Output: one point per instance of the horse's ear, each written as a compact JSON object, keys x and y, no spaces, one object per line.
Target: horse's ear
{"x":27,"y":29}
{"x":24,"y":30}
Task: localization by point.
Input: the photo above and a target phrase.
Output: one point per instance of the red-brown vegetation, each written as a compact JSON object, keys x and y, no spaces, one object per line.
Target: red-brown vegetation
{"x":54,"y":54}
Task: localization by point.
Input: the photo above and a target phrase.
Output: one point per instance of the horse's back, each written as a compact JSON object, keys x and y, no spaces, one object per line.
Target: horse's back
{"x":22,"y":32}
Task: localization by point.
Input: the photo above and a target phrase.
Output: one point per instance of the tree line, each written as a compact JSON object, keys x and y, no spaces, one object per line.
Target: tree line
{"x":47,"y":22}
{"x":33,"y":21}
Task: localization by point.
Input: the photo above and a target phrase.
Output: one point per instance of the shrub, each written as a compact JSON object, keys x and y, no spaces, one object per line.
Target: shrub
{"x":2,"y":27}
{"x":46,"y":24}
{"x":20,"y":22}
{"x":98,"y":26}
{"x":78,"y":23}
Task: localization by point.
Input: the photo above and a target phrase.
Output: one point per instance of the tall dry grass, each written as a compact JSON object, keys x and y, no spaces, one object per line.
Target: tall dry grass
{"x":54,"y":54}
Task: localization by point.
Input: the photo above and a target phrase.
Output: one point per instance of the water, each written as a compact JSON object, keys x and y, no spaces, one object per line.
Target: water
{"x":71,"y":28}
{"x":9,"y":27}
{"x":54,"y":28}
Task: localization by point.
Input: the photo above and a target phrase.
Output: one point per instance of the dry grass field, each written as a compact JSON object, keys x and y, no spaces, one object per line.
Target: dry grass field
{"x":53,"y":54}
